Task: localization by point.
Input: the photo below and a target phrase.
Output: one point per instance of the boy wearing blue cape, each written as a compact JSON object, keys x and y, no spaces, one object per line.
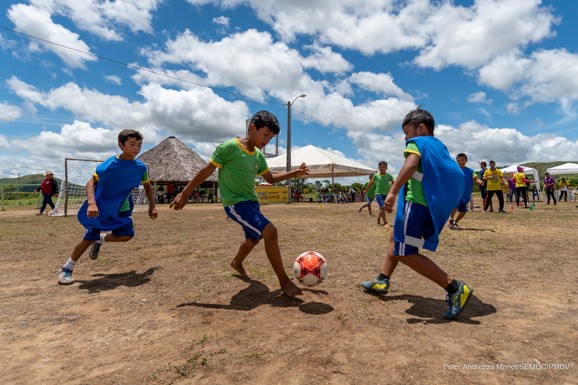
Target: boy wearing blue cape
{"x":109,"y":201}
{"x":430,"y":184}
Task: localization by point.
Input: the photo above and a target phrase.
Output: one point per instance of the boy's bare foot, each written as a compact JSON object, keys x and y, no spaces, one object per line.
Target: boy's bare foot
{"x":238,"y":267}
{"x":290,"y":289}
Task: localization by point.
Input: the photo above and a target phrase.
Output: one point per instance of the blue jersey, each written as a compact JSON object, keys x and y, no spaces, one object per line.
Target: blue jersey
{"x":469,"y":184}
{"x":443,"y":184}
{"x":116,"y":178}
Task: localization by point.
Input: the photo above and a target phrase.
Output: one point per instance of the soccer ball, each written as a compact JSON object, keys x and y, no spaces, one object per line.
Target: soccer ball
{"x":310,"y":268}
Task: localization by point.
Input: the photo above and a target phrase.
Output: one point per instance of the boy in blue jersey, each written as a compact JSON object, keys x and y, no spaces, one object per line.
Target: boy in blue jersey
{"x":470,"y":176}
{"x":430,"y":183}
{"x":239,"y":161}
{"x":109,"y":201}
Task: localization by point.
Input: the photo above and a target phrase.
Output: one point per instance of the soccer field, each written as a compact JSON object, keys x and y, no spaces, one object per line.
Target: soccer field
{"x":166,"y":308}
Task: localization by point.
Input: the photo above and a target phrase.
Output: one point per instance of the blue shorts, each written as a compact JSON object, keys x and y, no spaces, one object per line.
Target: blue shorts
{"x":462,"y":207}
{"x":417,"y":226}
{"x":248,"y":215}
{"x":380,"y":199}
{"x":126,"y":230}
{"x":369,"y":200}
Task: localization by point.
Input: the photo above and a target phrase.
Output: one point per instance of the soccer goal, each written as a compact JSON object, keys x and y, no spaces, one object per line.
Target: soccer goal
{"x":72,"y":192}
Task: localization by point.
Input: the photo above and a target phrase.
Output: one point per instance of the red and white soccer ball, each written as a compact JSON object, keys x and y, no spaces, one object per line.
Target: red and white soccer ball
{"x":310,"y":268}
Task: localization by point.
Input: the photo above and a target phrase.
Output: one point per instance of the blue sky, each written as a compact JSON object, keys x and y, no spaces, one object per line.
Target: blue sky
{"x":500,"y":76}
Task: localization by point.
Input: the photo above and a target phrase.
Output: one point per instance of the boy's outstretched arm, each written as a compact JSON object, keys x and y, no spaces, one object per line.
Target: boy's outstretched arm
{"x":280,"y":177}
{"x":183,"y":198}
{"x":92,"y":210}
{"x":152,"y":207}
{"x":405,"y":174}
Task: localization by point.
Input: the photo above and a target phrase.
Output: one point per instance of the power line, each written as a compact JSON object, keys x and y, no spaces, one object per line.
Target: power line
{"x":133,"y":66}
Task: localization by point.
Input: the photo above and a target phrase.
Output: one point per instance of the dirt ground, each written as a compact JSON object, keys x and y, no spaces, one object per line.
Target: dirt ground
{"x":166,"y":308}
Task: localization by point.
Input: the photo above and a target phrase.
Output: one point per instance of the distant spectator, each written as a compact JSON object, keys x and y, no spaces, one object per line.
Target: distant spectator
{"x":511,"y":188}
{"x":521,"y":190}
{"x":563,"y":187}
{"x":48,"y":187}
{"x":484,"y":187}
{"x":494,"y":181}
{"x":549,"y":184}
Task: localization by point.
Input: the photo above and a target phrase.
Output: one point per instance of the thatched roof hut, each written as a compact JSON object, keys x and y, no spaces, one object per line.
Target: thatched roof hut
{"x":172,"y":161}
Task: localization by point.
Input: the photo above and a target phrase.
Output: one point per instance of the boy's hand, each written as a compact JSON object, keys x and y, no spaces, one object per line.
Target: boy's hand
{"x":303,"y":170}
{"x":92,"y":210}
{"x":153,"y":212}
{"x":389,"y":202}
{"x":179,"y":202}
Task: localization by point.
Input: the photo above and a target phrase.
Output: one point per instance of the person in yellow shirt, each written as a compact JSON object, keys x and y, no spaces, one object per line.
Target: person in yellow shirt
{"x":563,"y":187}
{"x":521,"y":182}
{"x":494,"y":181}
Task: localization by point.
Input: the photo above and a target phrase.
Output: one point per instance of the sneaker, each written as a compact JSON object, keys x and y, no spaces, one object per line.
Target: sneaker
{"x":94,"y":250}
{"x":451,"y":224}
{"x":456,"y":226}
{"x":458,"y":300}
{"x":65,"y":277}
{"x":378,"y":286}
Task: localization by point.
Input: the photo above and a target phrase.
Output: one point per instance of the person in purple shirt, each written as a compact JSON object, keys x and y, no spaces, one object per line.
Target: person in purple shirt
{"x":512,"y":187}
{"x":549,"y":183}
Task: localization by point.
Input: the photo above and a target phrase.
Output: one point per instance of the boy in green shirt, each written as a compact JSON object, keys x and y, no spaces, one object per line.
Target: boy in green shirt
{"x":382,"y":182}
{"x":239,"y":161}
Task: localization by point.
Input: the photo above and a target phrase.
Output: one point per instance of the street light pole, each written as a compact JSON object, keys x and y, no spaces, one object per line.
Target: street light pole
{"x":288,"y":166}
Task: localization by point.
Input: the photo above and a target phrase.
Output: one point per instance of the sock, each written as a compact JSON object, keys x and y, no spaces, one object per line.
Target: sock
{"x":69,"y":264}
{"x":452,"y":287}
{"x":382,"y":276}
{"x":102,"y":238}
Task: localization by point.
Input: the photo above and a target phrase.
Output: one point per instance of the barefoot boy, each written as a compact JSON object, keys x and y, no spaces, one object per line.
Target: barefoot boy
{"x":109,"y":202}
{"x":239,"y":161}
{"x":431,"y":184}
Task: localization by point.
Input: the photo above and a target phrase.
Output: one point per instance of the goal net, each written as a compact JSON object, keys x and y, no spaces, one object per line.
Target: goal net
{"x":72,"y":192}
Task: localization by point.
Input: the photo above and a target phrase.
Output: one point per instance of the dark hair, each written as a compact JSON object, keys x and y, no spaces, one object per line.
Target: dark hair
{"x":419,"y":116}
{"x":265,"y":118}
{"x":125,"y":134}
{"x":382,"y":162}
{"x":483,"y":163}
{"x":462,"y":155}
{"x":491,"y":161}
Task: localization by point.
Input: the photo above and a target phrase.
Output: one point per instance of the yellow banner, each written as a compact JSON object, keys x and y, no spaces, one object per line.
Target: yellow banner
{"x":271,"y":194}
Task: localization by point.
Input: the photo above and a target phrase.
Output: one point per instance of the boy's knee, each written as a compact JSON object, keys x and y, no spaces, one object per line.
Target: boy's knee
{"x":269,"y":232}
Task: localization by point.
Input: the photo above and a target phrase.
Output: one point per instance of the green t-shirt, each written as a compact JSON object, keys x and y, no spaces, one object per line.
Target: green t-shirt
{"x":237,"y":170}
{"x":414,"y":190}
{"x":371,"y":192}
{"x":382,"y":183}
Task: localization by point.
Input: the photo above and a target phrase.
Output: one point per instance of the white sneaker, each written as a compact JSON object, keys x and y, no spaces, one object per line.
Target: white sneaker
{"x":65,"y":277}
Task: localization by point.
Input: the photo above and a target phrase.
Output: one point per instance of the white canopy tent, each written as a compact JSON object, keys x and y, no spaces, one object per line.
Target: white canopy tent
{"x":531,"y":174}
{"x":563,"y":169}
{"x":321,"y":163}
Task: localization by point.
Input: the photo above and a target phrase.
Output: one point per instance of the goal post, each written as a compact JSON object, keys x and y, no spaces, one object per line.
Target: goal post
{"x":72,"y":191}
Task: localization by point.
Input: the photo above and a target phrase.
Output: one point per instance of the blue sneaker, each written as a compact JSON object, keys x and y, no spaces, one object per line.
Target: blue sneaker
{"x":94,"y":250}
{"x":65,"y":277}
{"x":458,"y":300}
{"x":378,"y":286}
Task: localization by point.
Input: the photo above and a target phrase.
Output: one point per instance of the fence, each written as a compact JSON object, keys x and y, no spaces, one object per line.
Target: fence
{"x":20,"y":196}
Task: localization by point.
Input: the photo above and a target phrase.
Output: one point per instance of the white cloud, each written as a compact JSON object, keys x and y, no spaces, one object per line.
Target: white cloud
{"x":381,"y":84}
{"x":324,"y":60}
{"x":221,"y":20}
{"x":9,"y":112}
{"x":479,"y":97}
{"x":116,"y":80}
{"x":38,"y":22}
